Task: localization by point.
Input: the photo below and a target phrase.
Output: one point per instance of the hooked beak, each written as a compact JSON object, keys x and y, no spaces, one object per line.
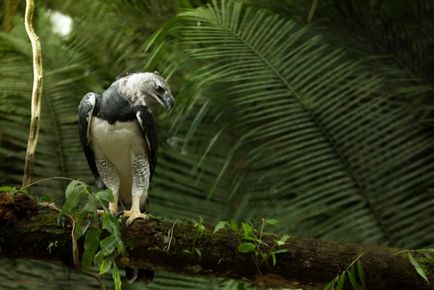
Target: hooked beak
{"x":169,"y":101}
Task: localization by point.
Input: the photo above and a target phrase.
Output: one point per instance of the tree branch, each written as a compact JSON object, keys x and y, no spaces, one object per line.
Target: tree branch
{"x":36,"y":93}
{"x":161,"y":245}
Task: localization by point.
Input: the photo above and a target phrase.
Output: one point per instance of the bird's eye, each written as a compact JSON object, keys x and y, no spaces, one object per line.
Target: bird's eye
{"x":160,"y":90}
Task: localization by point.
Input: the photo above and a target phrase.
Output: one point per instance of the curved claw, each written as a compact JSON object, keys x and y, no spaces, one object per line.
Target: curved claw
{"x":132,"y":215}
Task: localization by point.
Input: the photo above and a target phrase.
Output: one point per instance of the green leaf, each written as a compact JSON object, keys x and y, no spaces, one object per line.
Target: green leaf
{"x":110,"y":223}
{"x":114,"y":241}
{"x":330,"y":285}
{"x":272,"y":222}
{"x":74,"y":188}
{"x":353,"y":280}
{"x":86,"y":216}
{"x":91,"y":245}
{"x":106,"y":264}
{"x":273,"y":258}
{"x":116,"y":276}
{"x":44,"y":198}
{"x":120,"y":247}
{"x":341,"y":282}
{"x":76,"y":192}
{"x":7,"y":188}
{"x":90,"y":207}
{"x":220,"y":225}
{"x":233,"y":225}
{"x":109,"y":244}
{"x":247,"y":229}
{"x":280,"y":251}
{"x":200,"y":227}
{"x":418,"y":267}
{"x":82,"y":223}
{"x":253,"y":239}
{"x":284,"y":238}
{"x":361,"y":273}
{"x":98,"y":257}
{"x":246,"y":247}
{"x":105,"y":195}
{"x":106,"y":222}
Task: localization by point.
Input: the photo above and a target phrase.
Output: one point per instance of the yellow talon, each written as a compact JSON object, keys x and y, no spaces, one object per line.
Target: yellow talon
{"x":132,"y":215}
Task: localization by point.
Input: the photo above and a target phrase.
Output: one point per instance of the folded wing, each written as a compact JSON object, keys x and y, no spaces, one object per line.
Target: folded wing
{"x":149,"y":132}
{"x":86,"y":111}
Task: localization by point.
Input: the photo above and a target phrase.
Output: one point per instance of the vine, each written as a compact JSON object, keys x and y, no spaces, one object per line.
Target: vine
{"x":35,"y":120}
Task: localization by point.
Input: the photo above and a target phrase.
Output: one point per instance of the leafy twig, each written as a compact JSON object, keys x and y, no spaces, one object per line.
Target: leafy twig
{"x":355,"y":276}
{"x":422,"y":264}
{"x":75,"y":253}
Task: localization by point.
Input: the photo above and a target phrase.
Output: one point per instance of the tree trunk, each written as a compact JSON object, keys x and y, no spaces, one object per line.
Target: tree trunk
{"x":162,"y":245}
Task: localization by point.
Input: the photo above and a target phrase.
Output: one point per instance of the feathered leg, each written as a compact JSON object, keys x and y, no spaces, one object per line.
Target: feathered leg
{"x":110,"y":177}
{"x":140,"y":186}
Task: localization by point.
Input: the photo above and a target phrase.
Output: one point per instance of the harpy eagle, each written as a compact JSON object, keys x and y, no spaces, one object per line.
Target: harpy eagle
{"x":119,"y":137}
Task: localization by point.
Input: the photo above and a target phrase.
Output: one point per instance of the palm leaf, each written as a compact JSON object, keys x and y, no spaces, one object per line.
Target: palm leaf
{"x":58,"y":153}
{"x":273,"y":119}
{"x":322,"y":144}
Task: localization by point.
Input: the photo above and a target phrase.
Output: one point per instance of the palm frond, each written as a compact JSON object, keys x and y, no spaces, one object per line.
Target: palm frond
{"x":273,"y":118}
{"x":311,"y":135}
{"x":58,"y":153}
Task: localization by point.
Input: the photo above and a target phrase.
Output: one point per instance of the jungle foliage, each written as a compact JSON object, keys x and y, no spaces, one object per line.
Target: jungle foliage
{"x":315,"y":113}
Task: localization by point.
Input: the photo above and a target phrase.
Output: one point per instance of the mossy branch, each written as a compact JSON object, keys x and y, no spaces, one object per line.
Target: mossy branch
{"x":26,"y":233}
{"x":36,"y":93}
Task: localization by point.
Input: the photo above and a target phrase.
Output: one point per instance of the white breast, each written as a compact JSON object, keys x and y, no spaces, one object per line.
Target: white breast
{"x":121,"y":138}
{"x":119,"y":143}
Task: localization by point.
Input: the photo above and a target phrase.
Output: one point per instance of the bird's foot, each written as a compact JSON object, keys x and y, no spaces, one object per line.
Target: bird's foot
{"x":133,"y":214}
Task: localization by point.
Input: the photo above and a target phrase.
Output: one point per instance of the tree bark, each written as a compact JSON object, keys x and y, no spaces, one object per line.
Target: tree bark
{"x":163,"y":245}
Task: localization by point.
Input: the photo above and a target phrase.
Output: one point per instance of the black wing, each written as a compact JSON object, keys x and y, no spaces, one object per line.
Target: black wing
{"x":86,"y":110}
{"x":149,"y":132}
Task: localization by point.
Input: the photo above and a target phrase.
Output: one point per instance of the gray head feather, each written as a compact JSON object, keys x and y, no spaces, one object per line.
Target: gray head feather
{"x":145,"y":89}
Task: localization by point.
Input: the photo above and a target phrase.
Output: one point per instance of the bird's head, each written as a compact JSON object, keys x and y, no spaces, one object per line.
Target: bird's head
{"x":146,"y":89}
